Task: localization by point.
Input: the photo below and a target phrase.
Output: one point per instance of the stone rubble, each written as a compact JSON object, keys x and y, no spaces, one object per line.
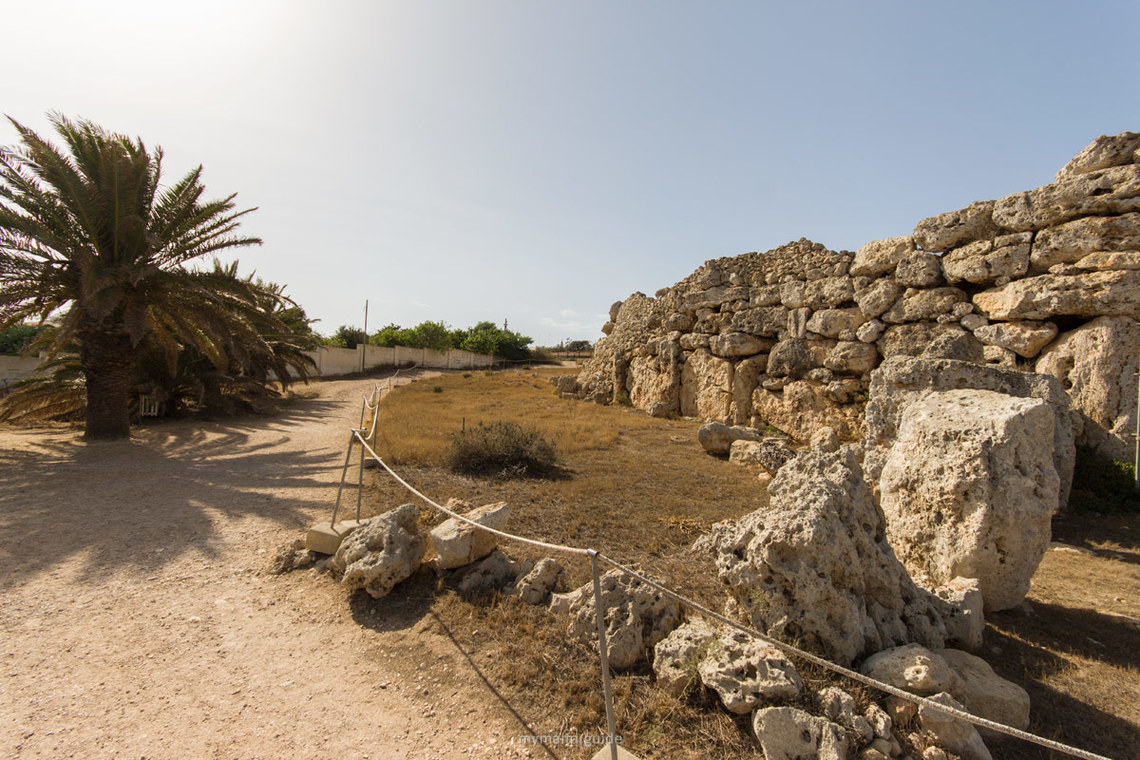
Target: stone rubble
{"x":383,"y":552}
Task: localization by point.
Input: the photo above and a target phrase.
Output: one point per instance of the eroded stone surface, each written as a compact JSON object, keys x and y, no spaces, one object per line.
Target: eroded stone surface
{"x":786,"y":733}
{"x":458,"y":543}
{"x":637,"y":617}
{"x":385,"y":551}
{"x":747,"y":673}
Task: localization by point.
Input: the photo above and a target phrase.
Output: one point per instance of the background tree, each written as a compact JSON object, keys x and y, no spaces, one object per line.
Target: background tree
{"x":90,"y":235}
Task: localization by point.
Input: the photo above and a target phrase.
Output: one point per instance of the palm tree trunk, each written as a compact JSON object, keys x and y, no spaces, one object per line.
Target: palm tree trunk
{"x":108,"y":361}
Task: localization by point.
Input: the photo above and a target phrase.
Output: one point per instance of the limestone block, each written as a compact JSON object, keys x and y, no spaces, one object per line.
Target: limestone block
{"x":984,"y":692}
{"x":880,"y":256}
{"x":1023,"y":338}
{"x":958,"y":736}
{"x":536,"y":585}
{"x":608,"y":328}
{"x":931,"y":340}
{"x":966,"y":623}
{"x":735,"y":344}
{"x":771,"y":453}
{"x":614,"y":309}
{"x":1104,"y":192}
{"x":786,"y":733}
{"x":899,"y":381}
{"x":383,"y":552}
{"x":1104,"y":152}
{"x":765,"y":295}
{"x":956,"y":228}
{"x":985,"y":261}
{"x":912,"y":667}
{"x":920,"y":269}
{"x":831,"y":322}
{"x":877,"y":297}
{"x":636,"y":617}
{"x":801,"y":406}
{"x":796,"y":326}
{"x":717,"y":438}
{"x":871,"y":331}
{"x":765,"y":321}
{"x":1097,"y":363}
{"x":656,"y":378}
{"x":745,"y":379}
{"x":815,"y":565}
{"x":1110,"y":260}
{"x":1070,"y":242}
{"x":791,"y":358}
{"x":706,"y":386}
{"x":675,"y":657}
{"x":1001,"y":357}
{"x":852,"y":358}
{"x":828,"y":292}
{"x":1091,"y":294}
{"x":494,"y":572}
{"x":326,"y":539}
{"x":457,"y":543}
{"x":747,"y":673}
{"x":969,"y":489}
{"x":922,"y":305}
{"x":793,"y":293}
{"x":825,"y":439}
{"x":694,"y":341}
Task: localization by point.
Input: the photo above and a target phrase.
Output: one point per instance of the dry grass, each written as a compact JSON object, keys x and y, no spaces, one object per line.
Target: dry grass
{"x":641,"y":490}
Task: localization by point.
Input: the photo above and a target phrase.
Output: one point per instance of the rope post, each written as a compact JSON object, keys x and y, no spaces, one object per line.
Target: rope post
{"x":343,"y":475}
{"x":602,"y":650}
{"x":360,"y":484}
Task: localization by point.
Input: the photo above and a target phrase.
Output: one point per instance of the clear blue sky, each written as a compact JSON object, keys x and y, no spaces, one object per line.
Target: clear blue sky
{"x":537,"y":160}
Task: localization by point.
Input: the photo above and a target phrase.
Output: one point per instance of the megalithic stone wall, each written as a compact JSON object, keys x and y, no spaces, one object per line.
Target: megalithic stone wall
{"x":1046,"y":280}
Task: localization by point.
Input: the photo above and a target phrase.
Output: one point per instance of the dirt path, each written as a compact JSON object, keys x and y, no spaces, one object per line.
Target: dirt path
{"x":137,"y":619}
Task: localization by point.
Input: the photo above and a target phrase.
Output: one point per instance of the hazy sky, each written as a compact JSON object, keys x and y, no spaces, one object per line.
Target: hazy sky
{"x":535,"y":160}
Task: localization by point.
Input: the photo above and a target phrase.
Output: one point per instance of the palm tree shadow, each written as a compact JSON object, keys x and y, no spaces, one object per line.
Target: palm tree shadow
{"x":139,"y":504}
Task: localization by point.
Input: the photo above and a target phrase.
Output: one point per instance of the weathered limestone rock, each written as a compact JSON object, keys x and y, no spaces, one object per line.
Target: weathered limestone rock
{"x":1089,"y":294}
{"x":292,"y":556}
{"x":738,"y":344}
{"x":984,"y":692}
{"x":966,"y":621}
{"x":828,"y":292}
{"x":880,"y":256}
{"x":914,"y":668}
{"x":1097,"y":363}
{"x":637,"y":617}
{"x":675,"y":657}
{"x":458,"y":543}
{"x":831,"y":323}
{"x":930,"y":340}
{"x":985,"y":261}
{"x":656,"y":378}
{"x":1001,"y":357}
{"x":494,"y":572}
{"x":380,"y":554}
{"x":786,"y":733}
{"x":958,"y":736}
{"x":764,"y":321}
{"x":1104,"y":192}
{"x":1023,"y":338}
{"x":717,"y":438}
{"x":901,"y":380}
{"x":825,"y":439}
{"x":919,"y":270}
{"x":801,"y":407}
{"x":871,"y":331}
{"x":969,"y":489}
{"x":706,"y":386}
{"x":745,"y":379}
{"x":792,"y":358}
{"x":919,"y":305}
{"x":956,"y":228}
{"x":1104,"y":152}
{"x":877,"y":297}
{"x":815,"y":565}
{"x":852,"y":357}
{"x":535,"y":586}
{"x":770,"y":453}
{"x":747,"y":673}
{"x":1107,"y":260}
{"x":1070,"y":242}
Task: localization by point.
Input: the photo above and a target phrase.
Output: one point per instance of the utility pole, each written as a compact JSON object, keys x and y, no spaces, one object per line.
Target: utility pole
{"x":364,"y":345}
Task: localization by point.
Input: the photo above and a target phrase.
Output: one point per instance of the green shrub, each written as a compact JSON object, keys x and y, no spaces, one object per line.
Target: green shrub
{"x":1102,"y":485}
{"x":503,"y":450}
{"x":437,"y":389}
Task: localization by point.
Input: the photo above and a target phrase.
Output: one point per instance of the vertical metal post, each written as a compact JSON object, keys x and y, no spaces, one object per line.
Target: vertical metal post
{"x":343,"y":475}
{"x":602,"y":650}
{"x":360,"y":484}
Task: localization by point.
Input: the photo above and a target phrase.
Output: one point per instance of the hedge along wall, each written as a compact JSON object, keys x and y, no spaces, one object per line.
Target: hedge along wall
{"x":1046,"y":280}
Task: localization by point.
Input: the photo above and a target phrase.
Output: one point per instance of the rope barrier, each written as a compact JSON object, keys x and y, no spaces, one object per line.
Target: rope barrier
{"x":775,"y":643}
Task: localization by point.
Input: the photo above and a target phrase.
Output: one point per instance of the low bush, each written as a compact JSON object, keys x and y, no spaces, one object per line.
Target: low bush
{"x":1103,"y":485}
{"x":502,"y":450}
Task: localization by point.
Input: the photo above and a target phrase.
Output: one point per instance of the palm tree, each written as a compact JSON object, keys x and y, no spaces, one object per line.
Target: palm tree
{"x":91,"y":238}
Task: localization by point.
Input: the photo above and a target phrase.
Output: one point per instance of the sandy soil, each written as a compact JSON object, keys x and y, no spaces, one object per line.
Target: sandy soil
{"x":138,"y":618}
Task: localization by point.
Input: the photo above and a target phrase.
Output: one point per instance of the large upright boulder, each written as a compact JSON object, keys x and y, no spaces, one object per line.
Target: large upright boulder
{"x":969,"y":489}
{"x":815,"y":565}
{"x":1097,"y":362}
{"x":383,"y":552}
{"x":902,"y":380}
{"x":636,"y":616}
{"x":458,"y":543}
{"x":706,"y":386}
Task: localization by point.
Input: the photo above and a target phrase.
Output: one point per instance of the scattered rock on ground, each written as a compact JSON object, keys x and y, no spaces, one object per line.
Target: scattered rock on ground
{"x":786,"y":733}
{"x":771,"y":453}
{"x":457,"y":543}
{"x":717,"y":438}
{"x":958,"y":736}
{"x":494,"y":572}
{"x":636,"y":615}
{"x":385,"y":551}
{"x":292,"y":556}
{"x":984,"y":692}
{"x":746,"y":673}
{"x":535,"y":586}
{"x":675,"y":657}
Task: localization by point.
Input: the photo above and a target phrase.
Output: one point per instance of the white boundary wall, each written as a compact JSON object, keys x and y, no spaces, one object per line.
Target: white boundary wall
{"x":16,"y":368}
{"x":343,"y":361}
